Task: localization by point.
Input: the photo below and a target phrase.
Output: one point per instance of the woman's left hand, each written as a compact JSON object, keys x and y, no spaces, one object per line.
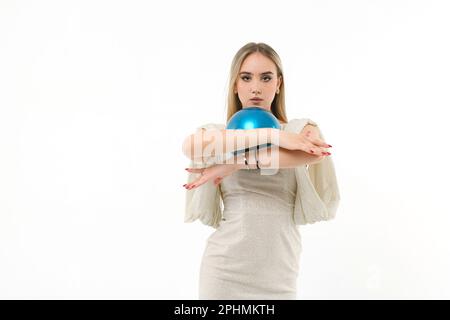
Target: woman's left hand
{"x":216,"y":173}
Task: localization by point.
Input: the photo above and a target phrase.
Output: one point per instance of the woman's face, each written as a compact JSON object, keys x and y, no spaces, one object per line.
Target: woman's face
{"x":257,"y":78}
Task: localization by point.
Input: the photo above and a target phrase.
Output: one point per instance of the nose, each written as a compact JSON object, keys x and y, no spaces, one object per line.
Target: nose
{"x":255,"y":87}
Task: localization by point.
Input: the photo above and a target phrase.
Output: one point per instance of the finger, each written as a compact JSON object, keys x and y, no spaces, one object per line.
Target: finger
{"x":320,"y":151}
{"x":319,"y":142}
{"x":188,"y":186}
{"x":197,"y":183}
{"x":195,"y":170}
{"x":191,"y":186}
{"x":313,"y":145}
{"x":218,"y":180}
{"x":317,"y":151}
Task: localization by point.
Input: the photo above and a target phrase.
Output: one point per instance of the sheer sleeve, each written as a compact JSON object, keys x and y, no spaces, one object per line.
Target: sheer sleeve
{"x":204,"y":202}
{"x":317,"y":196}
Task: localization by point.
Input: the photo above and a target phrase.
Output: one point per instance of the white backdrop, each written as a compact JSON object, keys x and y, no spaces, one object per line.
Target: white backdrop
{"x":96,"y":98}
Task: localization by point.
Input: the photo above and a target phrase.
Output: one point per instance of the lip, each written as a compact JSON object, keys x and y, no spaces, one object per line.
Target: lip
{"x":256,"y":99}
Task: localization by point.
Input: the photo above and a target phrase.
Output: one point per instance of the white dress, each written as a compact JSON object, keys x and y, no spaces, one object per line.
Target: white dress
{"x":255,"y":251}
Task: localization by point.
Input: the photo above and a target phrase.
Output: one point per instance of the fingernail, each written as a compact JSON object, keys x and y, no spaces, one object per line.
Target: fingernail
{"x":184,"y":184}
{"x":329,"y":146}
{"x":186,"y":169}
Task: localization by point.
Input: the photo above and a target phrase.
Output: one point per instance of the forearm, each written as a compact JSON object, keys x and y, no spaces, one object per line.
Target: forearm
{"x":218,"y":143}
{"x":276,"y":157}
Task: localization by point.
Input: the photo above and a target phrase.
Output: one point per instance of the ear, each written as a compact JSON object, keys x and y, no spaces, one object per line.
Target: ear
{"x":280,"y":80}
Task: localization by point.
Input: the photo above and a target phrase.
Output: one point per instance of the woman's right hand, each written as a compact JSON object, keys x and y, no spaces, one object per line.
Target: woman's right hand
{"x":308,"y":141}
{"x":215,"y":173}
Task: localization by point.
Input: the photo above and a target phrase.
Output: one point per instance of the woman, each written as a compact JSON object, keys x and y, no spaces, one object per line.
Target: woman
{"x":255,"y":250}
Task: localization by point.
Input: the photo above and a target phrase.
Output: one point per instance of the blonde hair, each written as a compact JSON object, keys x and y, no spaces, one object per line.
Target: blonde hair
{"x":234,"y":104}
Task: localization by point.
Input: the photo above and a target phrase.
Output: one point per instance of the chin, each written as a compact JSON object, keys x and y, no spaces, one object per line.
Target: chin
{"x":256,"y":105}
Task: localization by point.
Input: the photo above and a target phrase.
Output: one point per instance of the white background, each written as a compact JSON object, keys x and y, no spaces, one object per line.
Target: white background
{"x":96,"y":98}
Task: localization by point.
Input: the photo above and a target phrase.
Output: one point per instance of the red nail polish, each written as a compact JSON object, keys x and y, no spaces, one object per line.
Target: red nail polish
{"x":329,"y":146}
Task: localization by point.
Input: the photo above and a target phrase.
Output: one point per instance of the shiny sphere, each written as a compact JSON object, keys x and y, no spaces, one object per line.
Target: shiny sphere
{"x":253,"y":118}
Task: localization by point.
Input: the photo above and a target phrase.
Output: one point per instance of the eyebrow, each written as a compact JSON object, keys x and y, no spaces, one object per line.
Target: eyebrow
{"x":245,"y":72}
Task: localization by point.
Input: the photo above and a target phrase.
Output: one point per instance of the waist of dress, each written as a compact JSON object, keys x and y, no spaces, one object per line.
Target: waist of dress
{"x":267,"y":206}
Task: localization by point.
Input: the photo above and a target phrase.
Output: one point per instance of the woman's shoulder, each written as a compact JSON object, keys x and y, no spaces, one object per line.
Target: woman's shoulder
{"x":297,"y":124}
{"x":212,"y":125}
{"x":301,"y":120}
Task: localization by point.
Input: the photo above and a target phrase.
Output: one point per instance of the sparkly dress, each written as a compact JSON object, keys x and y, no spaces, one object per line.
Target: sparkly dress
{"x":255,"y":252}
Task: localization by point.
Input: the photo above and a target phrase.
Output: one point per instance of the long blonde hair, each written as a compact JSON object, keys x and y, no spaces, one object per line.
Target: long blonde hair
{"x":234,"y":104}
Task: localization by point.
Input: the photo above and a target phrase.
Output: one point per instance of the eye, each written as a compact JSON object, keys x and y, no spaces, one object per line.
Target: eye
{"x":265,"y":77}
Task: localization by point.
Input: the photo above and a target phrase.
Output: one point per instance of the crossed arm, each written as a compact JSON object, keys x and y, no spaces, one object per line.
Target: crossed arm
{"x":198,"y":148}
{"x":269,"y":158}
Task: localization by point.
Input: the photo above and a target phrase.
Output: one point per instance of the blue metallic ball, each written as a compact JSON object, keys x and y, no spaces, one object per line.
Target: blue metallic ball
{"x":253,"y":118}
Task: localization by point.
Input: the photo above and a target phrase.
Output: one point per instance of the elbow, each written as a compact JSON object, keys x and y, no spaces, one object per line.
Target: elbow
{"x":192,"y":146}
{"x":187,"y":147}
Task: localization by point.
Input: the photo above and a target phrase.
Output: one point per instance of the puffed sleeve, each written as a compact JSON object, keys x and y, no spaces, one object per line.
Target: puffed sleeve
{"x":204,"y":202}
{"x":317,"y":196}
